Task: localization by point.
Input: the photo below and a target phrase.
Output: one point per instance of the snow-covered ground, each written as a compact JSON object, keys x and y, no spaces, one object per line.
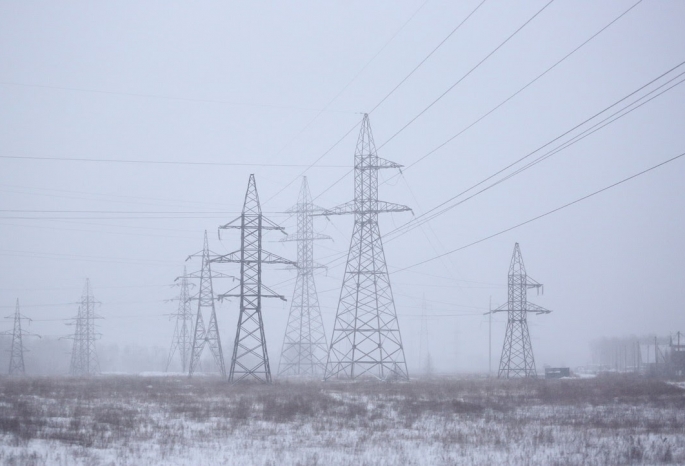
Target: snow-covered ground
{"x":127,"y":420}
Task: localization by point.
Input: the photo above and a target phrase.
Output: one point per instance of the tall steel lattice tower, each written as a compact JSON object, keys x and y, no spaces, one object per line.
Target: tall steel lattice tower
{"x":208,"y":335}
{"x":366,"y":337}
{"x":84,"y":359}
{"x":17,"y":350}
{"x":250,"y":359}
{"x":183,"y":332}
{"x":517,"y":353}
{"x":304,"y":346}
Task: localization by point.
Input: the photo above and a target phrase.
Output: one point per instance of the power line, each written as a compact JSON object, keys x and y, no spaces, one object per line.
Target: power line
{"x":313,"y":163}
{"x":440,"y":146}
{"x":112,"y":212}
{"x":427,"y":57}
{"x":354,"y":78}
{"x":165,"y":97}
{"x":50,"y":192}
{"x":164,"y":162}
{"x":374,"y":108}
{"x":543,"y":215}
{"x":444,"y":93}
{"x":423,"y":217}
{"x":565,"y":145}
{"x":466,"y":75}
{"x":497,"y":106}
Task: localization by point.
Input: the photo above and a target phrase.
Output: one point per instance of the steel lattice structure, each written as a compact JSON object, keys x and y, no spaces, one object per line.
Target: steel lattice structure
{"x":366,"y":337}
{"x":517,"y":352}
{"x":250,"y":359}
{"x":205,"y":300}
{"x":183,"y":331}
{"x":84,"y":359}
{"x":17,"y":350}
{"x":304,"y":346}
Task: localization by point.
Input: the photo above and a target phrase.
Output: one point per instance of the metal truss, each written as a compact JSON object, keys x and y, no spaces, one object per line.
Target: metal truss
{"x":84,"y":359}
{"x":366,"y":338}
{"x":17,"y":350}
{"x":183,"y":331}
{"x":517,"y":352}
{"x":209,"y":335}
{"x":250,"y":359}
{"x":304,"y":346}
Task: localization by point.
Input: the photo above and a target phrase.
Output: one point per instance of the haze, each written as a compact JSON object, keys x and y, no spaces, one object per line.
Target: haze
{"x":275,"y":89}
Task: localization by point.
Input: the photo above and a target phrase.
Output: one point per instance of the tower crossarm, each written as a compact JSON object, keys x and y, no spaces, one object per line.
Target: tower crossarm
{"x":503,"y":308}
{"x":383,"y":206}
{"x":536,"y":309}
{"x":376,"y":207}
{"x":379,"y":164}
{"x":227,"y":258}
{"x":343,"y":209}
{"x":236,"y":224}
{"x":532,"y":283}
{"x":306,"y":208}
{"x":269,"y":294}
{"x":198,"y":274}
{"x":267,"y":258}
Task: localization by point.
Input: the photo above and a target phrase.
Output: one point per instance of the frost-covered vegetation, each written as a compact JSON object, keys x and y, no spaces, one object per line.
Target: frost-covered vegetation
{"x":204,"y":421}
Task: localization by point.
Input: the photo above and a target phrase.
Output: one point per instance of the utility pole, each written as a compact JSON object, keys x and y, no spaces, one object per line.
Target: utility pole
{"x":490,"y":338}
{"x":366,"y":338}
{"x":84,"y":360}
{"x":517,"y":352}
{"x":183,"y":332}
{"x":424,"y":351}
{"x":17,"y":350}
{"x":250,"y":359}
{"x":304,"y":345}
{"x":209,"y":335}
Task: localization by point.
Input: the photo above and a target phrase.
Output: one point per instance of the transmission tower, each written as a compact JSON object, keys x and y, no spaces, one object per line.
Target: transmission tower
{"x":183,"y":332}
{"x":517,"y":353}
{"x":84,"y":359}
{"x":250,"y":360}
{"x":17,"y":350}
{"x":366,"y":337}
{"x":205,"y":300}
{"x":304,"y":347}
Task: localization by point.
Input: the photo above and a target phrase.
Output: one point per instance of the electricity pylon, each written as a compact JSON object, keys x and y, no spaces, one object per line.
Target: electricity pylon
{"x":205,"y":300}
{"x":517,"y":353}
{"x":250,"y":359}
{"x":84,"y":359}
{"x":304,"y":346}
{"x":17,"y":350}
{"x":183,"y":332}
{"x":366,"y":337}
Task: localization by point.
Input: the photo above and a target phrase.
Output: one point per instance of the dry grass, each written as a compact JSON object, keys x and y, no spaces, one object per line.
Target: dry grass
{"x":147,"y":420}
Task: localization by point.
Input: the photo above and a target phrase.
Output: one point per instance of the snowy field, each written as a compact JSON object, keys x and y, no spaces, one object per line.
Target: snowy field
{"x":144,"y":420}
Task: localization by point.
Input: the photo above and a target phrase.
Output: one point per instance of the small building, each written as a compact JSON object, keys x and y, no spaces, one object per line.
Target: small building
{"x":557,"y":372}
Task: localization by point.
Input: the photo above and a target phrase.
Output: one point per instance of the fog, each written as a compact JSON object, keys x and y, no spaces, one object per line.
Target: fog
{"x":276,"y":89}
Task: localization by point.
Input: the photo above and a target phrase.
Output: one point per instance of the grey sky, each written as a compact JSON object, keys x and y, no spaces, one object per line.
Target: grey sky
{"x":243,"y":82}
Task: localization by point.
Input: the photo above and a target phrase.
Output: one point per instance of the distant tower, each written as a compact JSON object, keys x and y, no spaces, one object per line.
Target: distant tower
{"x":183,"y":332}
{"x":425,"y":360}
{"x":517,"y":352}
{"x":250,"y":360}
{"x":17,"y":350}
{"x":366,"y":337}
{"x":304,"y":346}
{"x":205,"y":300}
{"x":84,"y":359}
